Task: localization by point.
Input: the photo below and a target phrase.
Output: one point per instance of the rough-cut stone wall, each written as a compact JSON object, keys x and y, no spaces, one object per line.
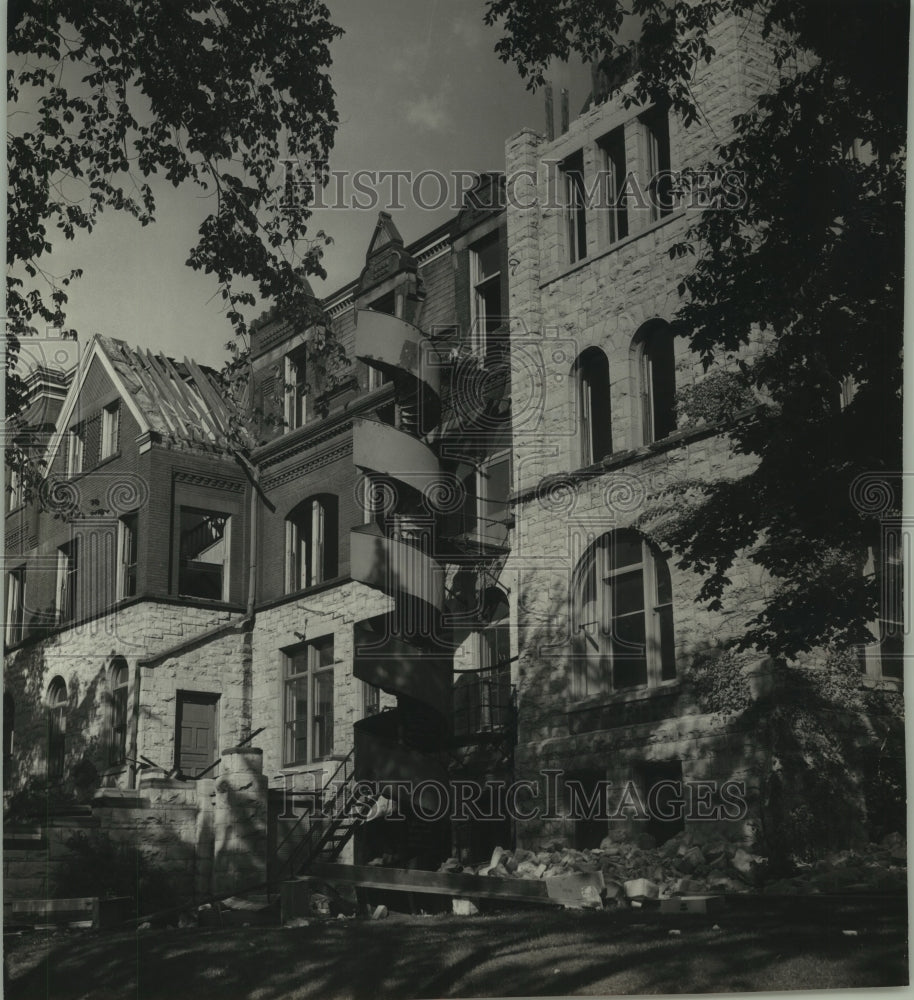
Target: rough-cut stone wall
{"x":559,"y":309}
{"x":82,"y":657}
{"x":310,"y":616}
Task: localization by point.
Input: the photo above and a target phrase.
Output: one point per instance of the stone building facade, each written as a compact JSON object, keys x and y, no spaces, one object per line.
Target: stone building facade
{"x":190,"y":611}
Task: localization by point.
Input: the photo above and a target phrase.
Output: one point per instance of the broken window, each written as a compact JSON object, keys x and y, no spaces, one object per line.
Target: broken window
{"x":311,"y":543}
{"x":203,"y":554}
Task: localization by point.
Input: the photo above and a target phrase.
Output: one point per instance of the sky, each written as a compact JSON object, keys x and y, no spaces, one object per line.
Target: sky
{"x":418,"y":87}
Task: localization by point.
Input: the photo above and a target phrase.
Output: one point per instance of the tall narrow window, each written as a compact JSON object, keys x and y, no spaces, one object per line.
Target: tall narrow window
{"x":312,"y":543}
{"x":296,"y":407}
{"x":612,"y":149}
{"x":15,"y":605}
{"x":575,"y":201}
{"x":117,"y":740}
{"x":655,"y":137}
{"x":658,"y":382}
{"x":15,"y":488}
{"x":203,"y":554}
{"x":308,"y":697}
{"x":110,"y":427}
{"x":493,"y":487}
{"x":67,"y":580}
{"x":494,"y":661}
{"x":591,"y":373}
{"x":623,"y":617}
{"x":126,"y":556}
{"x":75,"y":439}
{"x":57,"y":728}
{"x":490,"y":337}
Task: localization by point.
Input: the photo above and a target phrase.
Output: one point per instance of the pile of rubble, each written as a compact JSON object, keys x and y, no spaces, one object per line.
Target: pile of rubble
{"x":680,"y":866}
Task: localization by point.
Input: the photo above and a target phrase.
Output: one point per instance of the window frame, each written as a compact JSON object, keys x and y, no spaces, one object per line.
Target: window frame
{"x":226,"y":559}
{"x":15,"y":605}
{"x":110,"y":431}
{"x":312,"y":673}
{"x":614,"y":166}
{"x":584,"y":378}
{"x":599,"y":645}
{"x":656,"y":159}
{"x":127,"y":529}
{"x":320,"y":562}
{"x":67,"y":585}
{"x":119,"y":714}
{"x":573,"y":190}
{"x":76,"y":450}
{"x":649,"y":346}
{"x":487,"y":527}
{"x":485,"y":346}
{"x":15,"y":488}
{"x":57,"y":700}
{"x":296,"y":411}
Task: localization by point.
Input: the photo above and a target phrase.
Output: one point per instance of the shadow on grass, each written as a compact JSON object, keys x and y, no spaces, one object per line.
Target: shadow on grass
{"x":530,"y":954}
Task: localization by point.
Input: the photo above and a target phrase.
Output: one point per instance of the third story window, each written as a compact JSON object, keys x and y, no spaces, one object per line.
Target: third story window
{"x":75,"y":450}
{"x":490,"y":338}
{"x":612,"y":148}
{"x":655,"y":137}
{"x":296,"y":406}
{"x":574,"y":198}
{"x":15,"y":605}
{"x":658,"y":383}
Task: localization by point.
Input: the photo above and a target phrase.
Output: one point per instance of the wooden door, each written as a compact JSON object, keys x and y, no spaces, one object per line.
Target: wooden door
{"x":197,"y":734}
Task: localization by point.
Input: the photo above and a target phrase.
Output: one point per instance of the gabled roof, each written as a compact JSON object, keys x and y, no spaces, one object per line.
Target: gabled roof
{"x":183,"y":403}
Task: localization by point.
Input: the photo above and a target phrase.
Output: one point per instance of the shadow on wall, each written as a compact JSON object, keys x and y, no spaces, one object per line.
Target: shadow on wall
{"x":822,"y":754}
{"x":63,"y":749}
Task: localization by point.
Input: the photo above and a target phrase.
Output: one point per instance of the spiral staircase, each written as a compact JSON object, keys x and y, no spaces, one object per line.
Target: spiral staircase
{"x":403,"y":652}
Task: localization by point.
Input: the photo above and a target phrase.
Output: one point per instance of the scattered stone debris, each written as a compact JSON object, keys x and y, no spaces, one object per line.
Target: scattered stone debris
{"x":693,"y":865}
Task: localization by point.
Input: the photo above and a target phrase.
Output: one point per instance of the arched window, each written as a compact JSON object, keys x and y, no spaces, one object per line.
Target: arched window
{"x":119,"y":677}
{"x":657,"y":366}
{"x":591,"y":375}
{"x":57,"y":728}
{"x":623,"y":617}
{"x":311,"y":543}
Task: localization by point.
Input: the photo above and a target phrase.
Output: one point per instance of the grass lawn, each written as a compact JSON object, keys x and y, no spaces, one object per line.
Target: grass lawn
{"x":771,"y":946}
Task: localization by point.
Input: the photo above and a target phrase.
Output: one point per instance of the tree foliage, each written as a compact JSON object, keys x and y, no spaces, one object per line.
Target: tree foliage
{"x":794,"y":295}
{"x":214,"y":94}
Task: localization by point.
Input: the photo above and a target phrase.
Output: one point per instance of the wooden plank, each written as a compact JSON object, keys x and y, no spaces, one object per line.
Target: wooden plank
{"x":443,"y":883}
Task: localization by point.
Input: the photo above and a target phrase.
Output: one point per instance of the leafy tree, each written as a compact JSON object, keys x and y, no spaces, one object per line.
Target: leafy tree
{"x":214,"y":94}
{"x":813,"y":259}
